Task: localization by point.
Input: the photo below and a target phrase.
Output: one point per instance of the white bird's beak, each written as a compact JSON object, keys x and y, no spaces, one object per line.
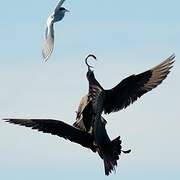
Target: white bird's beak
{"x":67,"y":10}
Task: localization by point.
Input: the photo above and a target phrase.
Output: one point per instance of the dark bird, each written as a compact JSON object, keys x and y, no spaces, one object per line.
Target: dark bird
{"x":108,"y":150}
{"x":89,"y":119}
{"x":56,"y":16}
{"x":123,"y":94}
{"x":61,"y":129}
{"x":89,"y":115}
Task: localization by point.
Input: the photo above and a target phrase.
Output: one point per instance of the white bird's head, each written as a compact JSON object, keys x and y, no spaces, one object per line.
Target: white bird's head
{"x":59,"y":14}
{"x":63,"y":10}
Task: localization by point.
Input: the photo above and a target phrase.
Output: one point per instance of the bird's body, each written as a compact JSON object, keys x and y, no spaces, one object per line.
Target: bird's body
{"x":84,"y":118}
{"x":59,"y":15}
{"x":55,"y":17}
{"x":90,"y":120}
{"x":108,"y":150}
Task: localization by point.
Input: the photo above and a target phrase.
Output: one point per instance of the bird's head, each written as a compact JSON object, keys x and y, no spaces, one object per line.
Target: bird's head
{"x":59,"y":14}
{"x":63,"y":10}
{"x":90,"y":73}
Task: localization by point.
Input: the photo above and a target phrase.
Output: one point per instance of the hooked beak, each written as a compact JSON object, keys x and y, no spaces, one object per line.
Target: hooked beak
{"x":90,"y":55}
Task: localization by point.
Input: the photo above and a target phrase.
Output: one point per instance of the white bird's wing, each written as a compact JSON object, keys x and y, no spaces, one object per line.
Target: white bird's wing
{"x":49,"y":42}
{"x":59,"y":5}
{"x":47,"y":48}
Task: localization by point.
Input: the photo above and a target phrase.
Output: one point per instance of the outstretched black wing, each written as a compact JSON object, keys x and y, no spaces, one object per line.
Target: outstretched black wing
{"x":58,"y":128}
{"x":133,"y":87}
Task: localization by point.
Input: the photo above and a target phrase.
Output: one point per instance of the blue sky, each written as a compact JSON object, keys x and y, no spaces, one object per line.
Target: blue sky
{"x":127,"y":37}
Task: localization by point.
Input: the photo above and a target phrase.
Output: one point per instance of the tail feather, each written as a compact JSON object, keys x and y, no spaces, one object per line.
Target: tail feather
{"x":111,"y":155}
{"x":109,"y":167}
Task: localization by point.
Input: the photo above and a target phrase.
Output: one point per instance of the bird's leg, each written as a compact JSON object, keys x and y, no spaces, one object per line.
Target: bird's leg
{"x":127,"y":151}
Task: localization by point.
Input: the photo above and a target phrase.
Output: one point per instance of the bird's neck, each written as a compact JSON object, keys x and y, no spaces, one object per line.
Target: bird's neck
{"x":93,"y":81}
{"x":50,"y":19}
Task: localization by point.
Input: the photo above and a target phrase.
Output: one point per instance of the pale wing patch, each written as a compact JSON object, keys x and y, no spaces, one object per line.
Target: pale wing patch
{"x":159,"y":73}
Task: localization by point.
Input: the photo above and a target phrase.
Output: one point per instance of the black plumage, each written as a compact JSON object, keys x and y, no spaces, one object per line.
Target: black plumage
{"x":89,"y":119}
{"x":133,"y":87}
{"x":75,"y":135}
{"x":59,"y":128}
{"x":127,"y":91}
{"x":89,"y":129}
{"x":108,"y":150}
{"x":99,"y":100}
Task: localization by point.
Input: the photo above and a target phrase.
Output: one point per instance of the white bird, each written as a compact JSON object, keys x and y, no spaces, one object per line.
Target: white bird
{"x":56,"y":16}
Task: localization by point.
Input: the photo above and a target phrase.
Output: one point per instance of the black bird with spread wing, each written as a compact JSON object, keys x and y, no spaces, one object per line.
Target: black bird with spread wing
{"x":123,"y":94}
{"x":76,"y":135}
{"x":99,"y":100}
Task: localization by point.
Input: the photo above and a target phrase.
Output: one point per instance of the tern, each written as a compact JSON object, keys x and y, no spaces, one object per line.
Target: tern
{"x":56,"y":16}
